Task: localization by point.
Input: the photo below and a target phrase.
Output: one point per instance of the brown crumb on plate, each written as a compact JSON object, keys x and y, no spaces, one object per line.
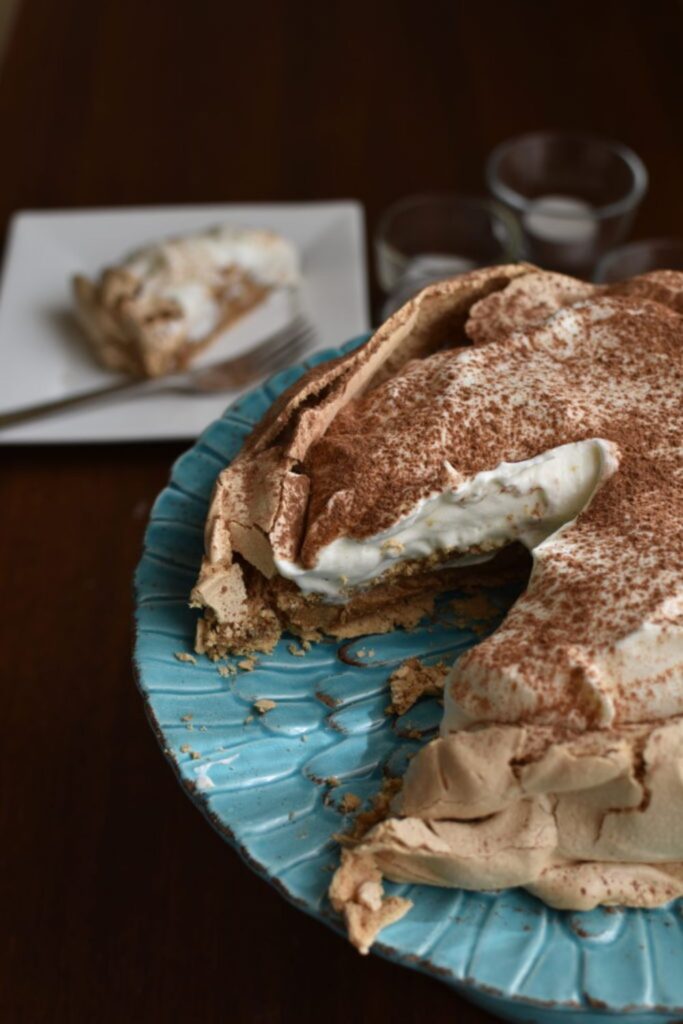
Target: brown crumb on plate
{"x":263,"y":705}
{"x":475,"y":612}
{"x":412,"y":680}
{"x":349,"y":803}
{"x":381,"y":807}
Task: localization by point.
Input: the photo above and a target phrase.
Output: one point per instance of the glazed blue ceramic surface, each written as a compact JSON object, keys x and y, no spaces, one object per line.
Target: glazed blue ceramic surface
{"x":262,"y":780}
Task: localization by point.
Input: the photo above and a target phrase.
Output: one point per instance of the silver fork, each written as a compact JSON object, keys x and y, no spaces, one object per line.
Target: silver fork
{"x":270,"y":355}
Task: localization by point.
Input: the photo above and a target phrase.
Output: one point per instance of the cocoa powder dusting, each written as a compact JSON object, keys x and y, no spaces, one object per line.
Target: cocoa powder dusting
{"x":610,"y":368}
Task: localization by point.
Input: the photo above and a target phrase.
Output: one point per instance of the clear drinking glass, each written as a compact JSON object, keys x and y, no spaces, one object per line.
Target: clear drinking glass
{"x":426,"y":238}
{"x":575,"y":196}
{"x":639,"y":258}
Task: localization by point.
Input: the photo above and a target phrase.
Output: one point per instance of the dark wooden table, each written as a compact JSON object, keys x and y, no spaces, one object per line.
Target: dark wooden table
{"x":119,"y":903}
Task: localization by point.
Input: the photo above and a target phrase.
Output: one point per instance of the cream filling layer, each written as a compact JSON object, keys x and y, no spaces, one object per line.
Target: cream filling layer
{"x":524,"y":501}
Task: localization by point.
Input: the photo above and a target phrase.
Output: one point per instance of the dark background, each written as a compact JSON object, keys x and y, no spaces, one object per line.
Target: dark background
{"x":120,"y":904}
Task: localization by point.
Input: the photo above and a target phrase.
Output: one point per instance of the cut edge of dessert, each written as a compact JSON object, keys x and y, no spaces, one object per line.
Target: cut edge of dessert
{"x":157,"y":309}
{"x":554,"y":418}
{"x":258,"y":509}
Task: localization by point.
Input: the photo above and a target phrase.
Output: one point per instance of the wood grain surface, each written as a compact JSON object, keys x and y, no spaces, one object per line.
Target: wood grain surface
{"x":119,"y":903}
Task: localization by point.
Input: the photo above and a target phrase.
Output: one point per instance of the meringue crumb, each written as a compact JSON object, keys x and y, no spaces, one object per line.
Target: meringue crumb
{"x":185,"y":748}
{"x":332,"y":781}
{"x":411,"y":681}
{"x":195,"y":755}
{"x":381,"y":806}
{"x":248,"y":664}
{"x":393,"y":547}
{"x":306,"y":644}
{"x":356,"y":892}
{"x":264,"y":704}
{"x":349,"y":803}
{"x":186,"y":718}
{"x":478,"y":607}
{"x":249,"y":719}
{"x":184,"y":656}
{"x":369,"y":894}
{"x":298,"y":652}
{"x":226,"y":670}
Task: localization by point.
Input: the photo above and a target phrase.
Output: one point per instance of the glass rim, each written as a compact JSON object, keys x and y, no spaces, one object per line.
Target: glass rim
{"x":520,"y":202}
{"x":491,"y":206}
{"x":640,"y":244}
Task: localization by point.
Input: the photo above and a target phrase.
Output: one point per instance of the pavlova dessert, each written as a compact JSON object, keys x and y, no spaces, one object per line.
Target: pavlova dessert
{"x":508,"y":420}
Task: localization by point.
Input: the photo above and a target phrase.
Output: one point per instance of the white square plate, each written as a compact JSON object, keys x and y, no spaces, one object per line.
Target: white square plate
{"x":43,"y":355}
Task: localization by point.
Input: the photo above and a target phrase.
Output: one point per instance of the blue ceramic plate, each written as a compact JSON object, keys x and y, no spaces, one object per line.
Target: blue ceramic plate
{"x":262,"y":780}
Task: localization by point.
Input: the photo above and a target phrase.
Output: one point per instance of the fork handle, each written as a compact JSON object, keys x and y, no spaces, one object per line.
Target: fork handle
{"x":34,"y":412}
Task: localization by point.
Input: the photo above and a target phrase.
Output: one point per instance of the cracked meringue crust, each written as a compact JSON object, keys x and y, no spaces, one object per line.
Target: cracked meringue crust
{"x":590,"y":818}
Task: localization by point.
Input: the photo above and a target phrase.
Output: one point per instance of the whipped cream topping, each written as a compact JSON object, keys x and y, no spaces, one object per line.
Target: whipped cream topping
{"x":190,"y":272}
{"x":525,"y":501}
